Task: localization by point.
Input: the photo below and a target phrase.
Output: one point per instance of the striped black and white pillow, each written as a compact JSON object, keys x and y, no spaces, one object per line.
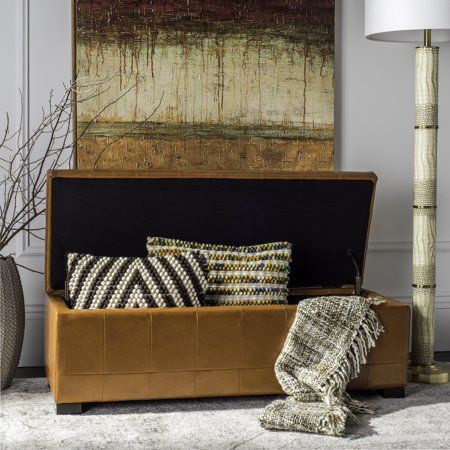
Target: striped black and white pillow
{"x":96,"y":282}
{"x":245,"y":275}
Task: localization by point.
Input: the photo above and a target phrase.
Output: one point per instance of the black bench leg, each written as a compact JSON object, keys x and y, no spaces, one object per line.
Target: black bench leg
{"x":69,"y":408}
{"x":394,"y":392}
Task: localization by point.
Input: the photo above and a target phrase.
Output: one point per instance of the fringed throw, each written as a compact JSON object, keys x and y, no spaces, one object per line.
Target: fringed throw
{"x":325,"y":348}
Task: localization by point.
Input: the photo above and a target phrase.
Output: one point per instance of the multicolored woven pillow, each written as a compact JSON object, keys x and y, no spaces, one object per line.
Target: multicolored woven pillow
{"x":96,"y":282}
{"x":246,"y":275}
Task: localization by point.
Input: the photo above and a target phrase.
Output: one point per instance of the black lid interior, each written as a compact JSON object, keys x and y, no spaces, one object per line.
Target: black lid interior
{"x":322,"y":218}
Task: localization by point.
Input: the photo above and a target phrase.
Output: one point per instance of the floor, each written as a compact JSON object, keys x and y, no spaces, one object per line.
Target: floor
{"x":421,"y":420}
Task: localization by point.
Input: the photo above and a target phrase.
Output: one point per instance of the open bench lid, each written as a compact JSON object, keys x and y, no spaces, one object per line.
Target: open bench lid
{"x":111,"y":213}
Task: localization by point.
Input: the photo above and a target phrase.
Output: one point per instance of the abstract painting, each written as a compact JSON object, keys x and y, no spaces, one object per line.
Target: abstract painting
{"x":205,"y":84}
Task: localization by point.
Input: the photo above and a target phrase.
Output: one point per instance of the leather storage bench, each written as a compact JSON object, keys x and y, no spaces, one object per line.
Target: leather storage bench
{"x":110,"y":355}
{"x":138,"y":354}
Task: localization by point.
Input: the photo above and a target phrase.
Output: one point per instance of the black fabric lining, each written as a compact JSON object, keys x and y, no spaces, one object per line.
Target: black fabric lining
{"x":114,"y":216}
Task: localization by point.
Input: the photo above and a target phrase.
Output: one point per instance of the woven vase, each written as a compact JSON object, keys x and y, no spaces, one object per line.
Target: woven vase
{"x":12,"y":320}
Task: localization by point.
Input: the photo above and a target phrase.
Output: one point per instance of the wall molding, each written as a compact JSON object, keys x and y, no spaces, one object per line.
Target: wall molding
{"x":442,"y":299}
{"x":24,"y":247}
{"x":31,"y":362}
{"x":403,"y":247}
{"x":34,"y":311}
{"x":26,"y":250}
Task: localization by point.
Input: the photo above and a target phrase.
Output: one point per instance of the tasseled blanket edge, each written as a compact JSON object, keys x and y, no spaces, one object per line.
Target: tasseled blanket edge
{"x":338,"y":406}
{"x":365,"y":339}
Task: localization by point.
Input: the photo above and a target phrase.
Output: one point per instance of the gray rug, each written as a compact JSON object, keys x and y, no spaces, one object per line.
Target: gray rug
{"x":28,"y":420}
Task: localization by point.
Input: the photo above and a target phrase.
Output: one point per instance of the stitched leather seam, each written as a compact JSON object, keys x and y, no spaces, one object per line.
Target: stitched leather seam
{"x":205,"y":370}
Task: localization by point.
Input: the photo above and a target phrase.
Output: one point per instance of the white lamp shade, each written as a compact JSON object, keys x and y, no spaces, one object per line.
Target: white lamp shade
{"x":405,"y":20}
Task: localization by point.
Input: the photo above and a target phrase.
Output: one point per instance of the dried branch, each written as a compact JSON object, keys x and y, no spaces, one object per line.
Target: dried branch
{"x":25,"y":159}
{"x":139,"y":125}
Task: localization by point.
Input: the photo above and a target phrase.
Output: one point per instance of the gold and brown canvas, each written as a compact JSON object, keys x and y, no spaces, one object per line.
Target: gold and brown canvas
{"x":205,"y":84}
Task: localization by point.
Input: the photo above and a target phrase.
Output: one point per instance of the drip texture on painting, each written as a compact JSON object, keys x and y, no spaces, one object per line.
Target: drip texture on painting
{"x":193,"y":84}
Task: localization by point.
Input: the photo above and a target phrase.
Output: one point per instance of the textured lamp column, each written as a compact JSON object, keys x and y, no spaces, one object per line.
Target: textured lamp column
{"x":424,"y":214}
{"x":416,"y":21}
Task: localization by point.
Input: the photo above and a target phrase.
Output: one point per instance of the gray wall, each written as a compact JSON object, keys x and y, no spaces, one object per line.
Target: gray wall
{"x":374,"y":120}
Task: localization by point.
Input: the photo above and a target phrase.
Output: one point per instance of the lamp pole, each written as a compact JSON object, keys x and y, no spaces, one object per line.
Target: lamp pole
{"x":413,"y":21}
{"x":422,"y":367}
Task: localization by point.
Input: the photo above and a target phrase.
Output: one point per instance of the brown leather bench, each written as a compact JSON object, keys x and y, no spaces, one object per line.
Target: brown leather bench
{"x":139,"y":354}
{"x":111,"y":355}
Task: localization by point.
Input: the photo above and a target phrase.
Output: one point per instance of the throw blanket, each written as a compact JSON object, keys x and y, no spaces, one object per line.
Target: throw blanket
{"x":325,"y":348}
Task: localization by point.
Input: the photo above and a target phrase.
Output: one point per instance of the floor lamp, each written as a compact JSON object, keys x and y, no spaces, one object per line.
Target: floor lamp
{"x":420,"y":21}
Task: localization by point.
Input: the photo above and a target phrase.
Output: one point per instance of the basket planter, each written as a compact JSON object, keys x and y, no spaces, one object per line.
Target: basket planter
{"x":12,"y":320}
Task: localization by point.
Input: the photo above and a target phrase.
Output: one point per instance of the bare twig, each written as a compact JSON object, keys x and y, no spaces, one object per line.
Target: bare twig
{"x":30,"y":270}
{"x":139,"y":125}
{"x":25,"y":159}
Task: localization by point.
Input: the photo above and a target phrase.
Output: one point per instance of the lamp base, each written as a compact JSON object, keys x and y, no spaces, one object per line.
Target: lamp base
{"x":435,"y":374}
